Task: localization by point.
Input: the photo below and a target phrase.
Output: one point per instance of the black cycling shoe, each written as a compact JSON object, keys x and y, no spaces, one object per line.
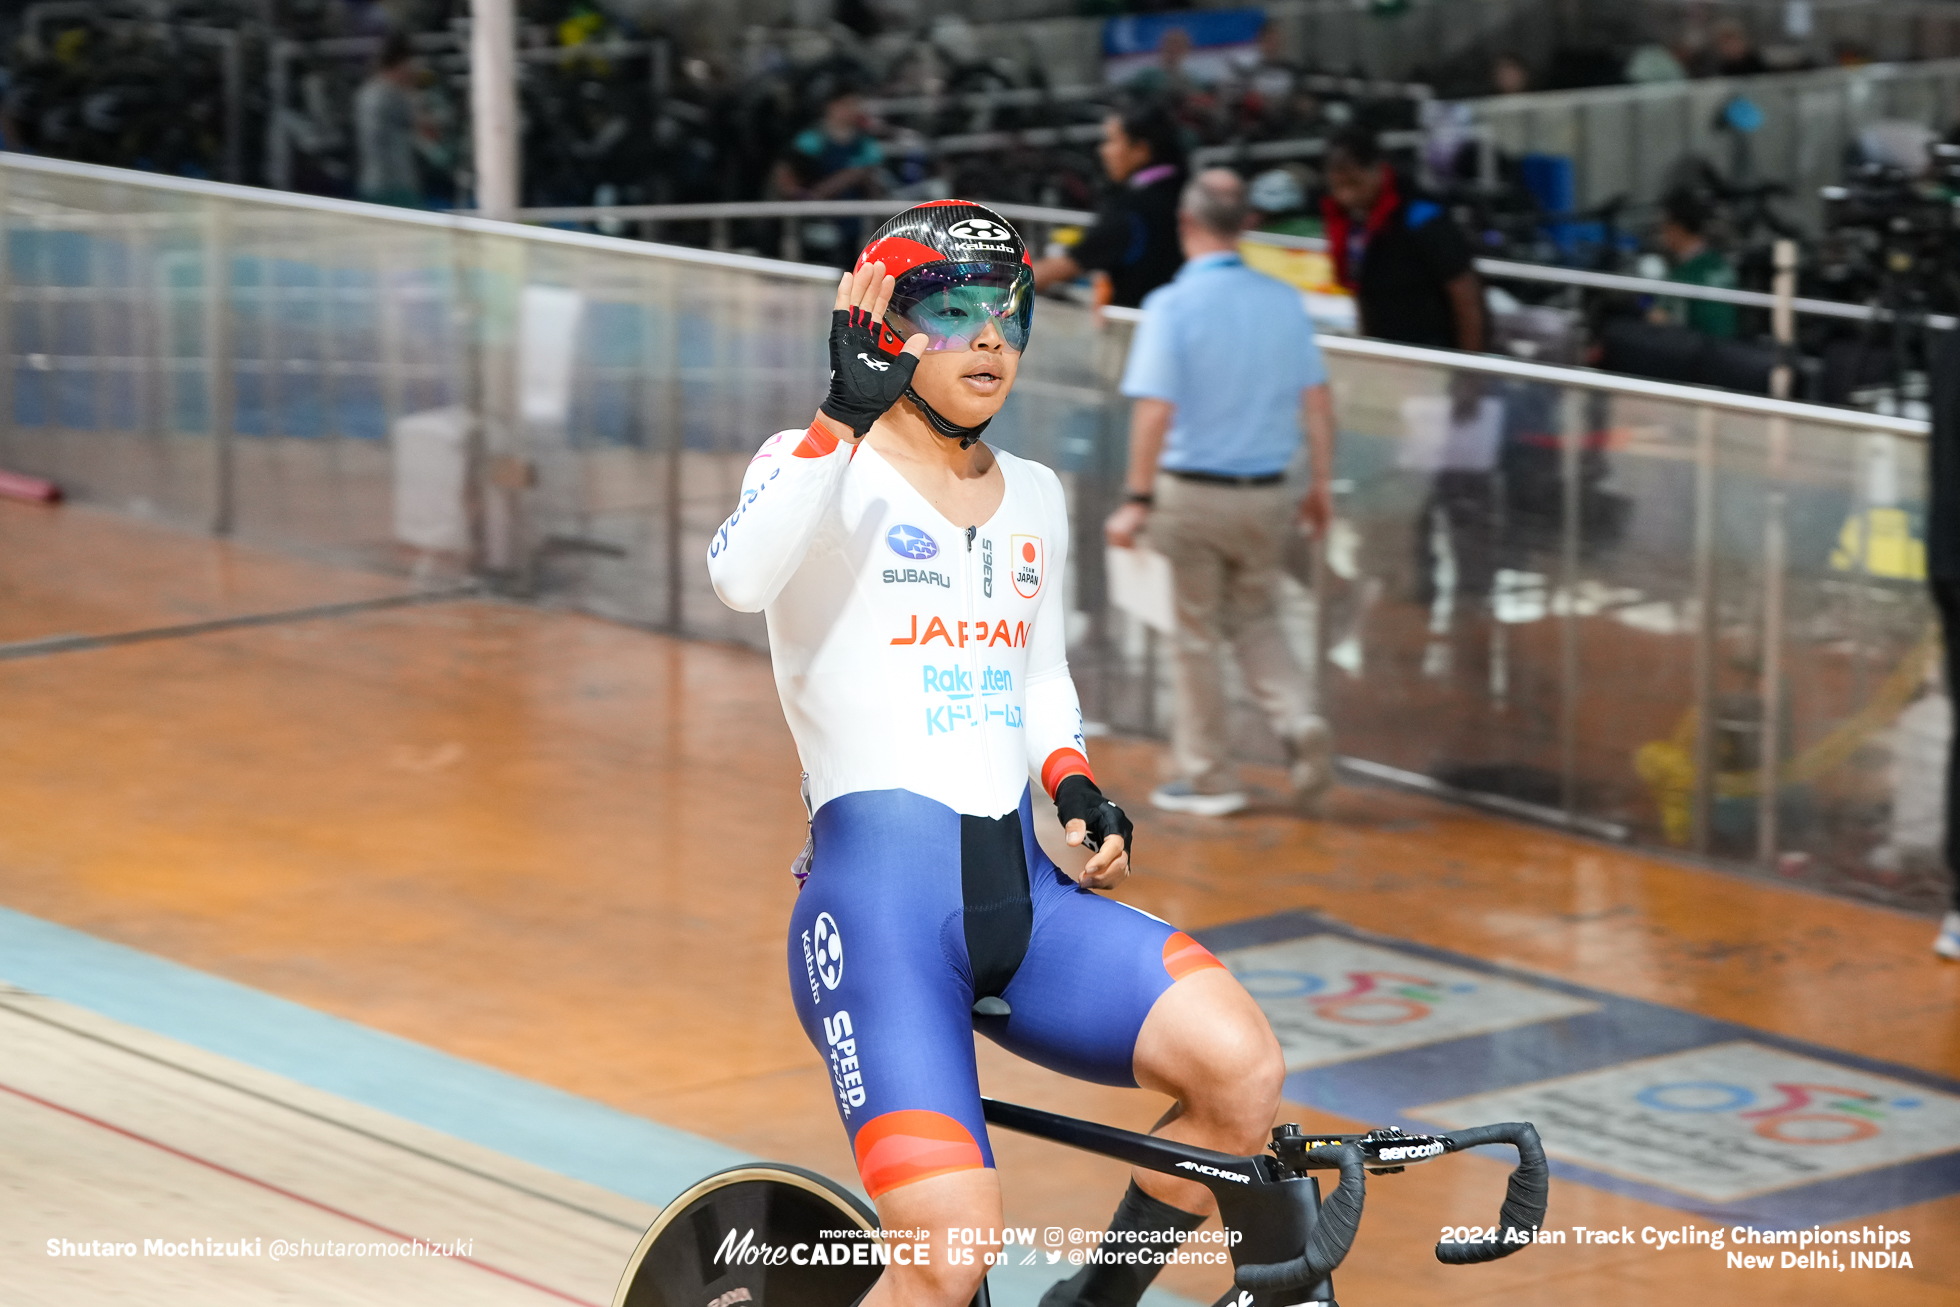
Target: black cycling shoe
{"x":1068,"y":1293}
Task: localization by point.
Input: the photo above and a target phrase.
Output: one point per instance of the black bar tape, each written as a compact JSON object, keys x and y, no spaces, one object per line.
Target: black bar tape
{"x":1523,"y":1211}
{"x":1333,"y":1234}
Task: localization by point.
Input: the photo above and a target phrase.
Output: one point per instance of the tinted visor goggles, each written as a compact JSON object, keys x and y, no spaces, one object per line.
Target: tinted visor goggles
{"x":952,"y":303}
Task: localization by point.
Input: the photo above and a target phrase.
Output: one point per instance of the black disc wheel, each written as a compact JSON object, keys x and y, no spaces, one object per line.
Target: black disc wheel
{"x":765,"y":1235}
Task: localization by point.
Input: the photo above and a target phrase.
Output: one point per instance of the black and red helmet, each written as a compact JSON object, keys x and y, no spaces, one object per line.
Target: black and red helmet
{"x":944,"y":231}
{"x":960,"y":266}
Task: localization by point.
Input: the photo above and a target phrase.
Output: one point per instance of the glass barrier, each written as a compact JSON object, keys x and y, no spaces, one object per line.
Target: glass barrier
{"x":1560,"y":600}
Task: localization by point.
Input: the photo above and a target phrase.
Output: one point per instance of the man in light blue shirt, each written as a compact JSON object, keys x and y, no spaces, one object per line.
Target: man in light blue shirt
{"x":1225,"y":373}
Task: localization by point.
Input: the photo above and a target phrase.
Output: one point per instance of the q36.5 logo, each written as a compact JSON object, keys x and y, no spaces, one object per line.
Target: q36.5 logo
{"x":979,"y":229}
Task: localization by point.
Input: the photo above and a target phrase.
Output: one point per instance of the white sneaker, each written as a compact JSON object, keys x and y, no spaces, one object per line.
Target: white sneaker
{"x":1182,"y":796}
{"x":1948,"y":943}
{"x":1310,"y":761}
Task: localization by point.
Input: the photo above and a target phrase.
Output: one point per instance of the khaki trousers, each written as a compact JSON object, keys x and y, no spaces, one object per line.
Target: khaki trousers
{"x":1224,"y":544}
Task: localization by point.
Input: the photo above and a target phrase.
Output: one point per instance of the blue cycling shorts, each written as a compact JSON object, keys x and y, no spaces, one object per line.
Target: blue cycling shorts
{"x":911,"y":913}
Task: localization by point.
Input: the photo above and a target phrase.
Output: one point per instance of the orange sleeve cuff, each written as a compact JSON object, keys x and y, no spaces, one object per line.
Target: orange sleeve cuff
{"x":816,"y":442}
{"x":1062,"y":764}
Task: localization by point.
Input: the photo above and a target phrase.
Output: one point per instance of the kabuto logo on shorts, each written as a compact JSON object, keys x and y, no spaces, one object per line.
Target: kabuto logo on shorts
{"x":810,"y":968}
{"x":829,"y":948}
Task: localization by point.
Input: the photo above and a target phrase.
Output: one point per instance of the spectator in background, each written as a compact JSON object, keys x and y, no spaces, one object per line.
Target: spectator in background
{"x":1508,"y":75}
{"x":1134,"y":241}
{"x":1167,"y":82}
{"x":384,"y":128}
{"x":1410,"y":269}
{"x":1654,"y":62}
{"x":834,"y":158}
{"x":1271,"y":94}
{"x":1943,"y":572}
{"x":10,"y":134}
{"x":1850,"y":54}
{"x":1272,"y":76}
{"x":1734,"y":54}
{"x":1402,"y":256}
{"x":1225,"y":372}
{"x":1694,"y":262}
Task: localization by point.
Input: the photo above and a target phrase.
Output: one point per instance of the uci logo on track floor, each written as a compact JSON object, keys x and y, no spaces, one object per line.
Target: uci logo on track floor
{"x":1726,"y":1122}
{"x":1330,"y":999}
{"x":1667,"y":1106}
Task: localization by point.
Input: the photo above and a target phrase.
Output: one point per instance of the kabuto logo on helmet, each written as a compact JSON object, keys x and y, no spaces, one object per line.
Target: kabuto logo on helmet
{"x":944,"y":231}
{"x":978,"y":229}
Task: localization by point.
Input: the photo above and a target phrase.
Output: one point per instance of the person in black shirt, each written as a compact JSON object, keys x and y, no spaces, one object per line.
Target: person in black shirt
{"x":1134,"y":240}
{"x":1409,"y":267}
{"x":1943,"y":572}
{"x":1404,"y":258}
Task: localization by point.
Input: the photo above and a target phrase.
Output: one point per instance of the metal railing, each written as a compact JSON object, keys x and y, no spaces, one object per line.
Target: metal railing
{"x":1029,"y":97}
{"x":1880,"y":29}
{"x":1624,"y":141}
{"x":1646,"y":611}
{"x":1038,"y":219}
{"x":1306,"y":147}
{"x":790,"y":215}
{"x":1580,"y":278}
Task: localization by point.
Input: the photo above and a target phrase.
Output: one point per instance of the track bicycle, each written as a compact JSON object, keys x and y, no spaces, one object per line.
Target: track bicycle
{"x":768,"y":1234}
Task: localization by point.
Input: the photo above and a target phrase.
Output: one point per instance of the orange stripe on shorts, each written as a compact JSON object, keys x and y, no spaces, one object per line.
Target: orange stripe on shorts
{"x":1184,"y":955}
{"x":901,"y":1147}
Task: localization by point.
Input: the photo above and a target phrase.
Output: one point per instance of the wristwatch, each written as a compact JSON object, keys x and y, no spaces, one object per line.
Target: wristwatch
{"x":1143,"y":497}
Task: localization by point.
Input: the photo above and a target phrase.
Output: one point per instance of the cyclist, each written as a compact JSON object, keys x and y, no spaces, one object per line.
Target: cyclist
{"x":912,"y":578}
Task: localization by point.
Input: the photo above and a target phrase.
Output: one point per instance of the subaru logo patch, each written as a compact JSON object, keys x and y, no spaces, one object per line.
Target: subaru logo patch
{"x":910,"y":542}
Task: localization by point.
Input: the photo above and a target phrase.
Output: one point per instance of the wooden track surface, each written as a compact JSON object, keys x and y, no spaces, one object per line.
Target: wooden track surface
{"x":560,"y":848}
{"x":72,"y":571}
{"x":117,"y":1135}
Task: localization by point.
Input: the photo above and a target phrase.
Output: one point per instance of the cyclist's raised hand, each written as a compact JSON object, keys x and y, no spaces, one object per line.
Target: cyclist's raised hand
{"x":866,"y":376}
{"x":1089,"y":818}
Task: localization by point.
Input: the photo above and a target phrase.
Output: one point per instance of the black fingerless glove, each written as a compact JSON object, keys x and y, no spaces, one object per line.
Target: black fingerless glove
{"x":1077,"y":796}
{"x":866,"y":378}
